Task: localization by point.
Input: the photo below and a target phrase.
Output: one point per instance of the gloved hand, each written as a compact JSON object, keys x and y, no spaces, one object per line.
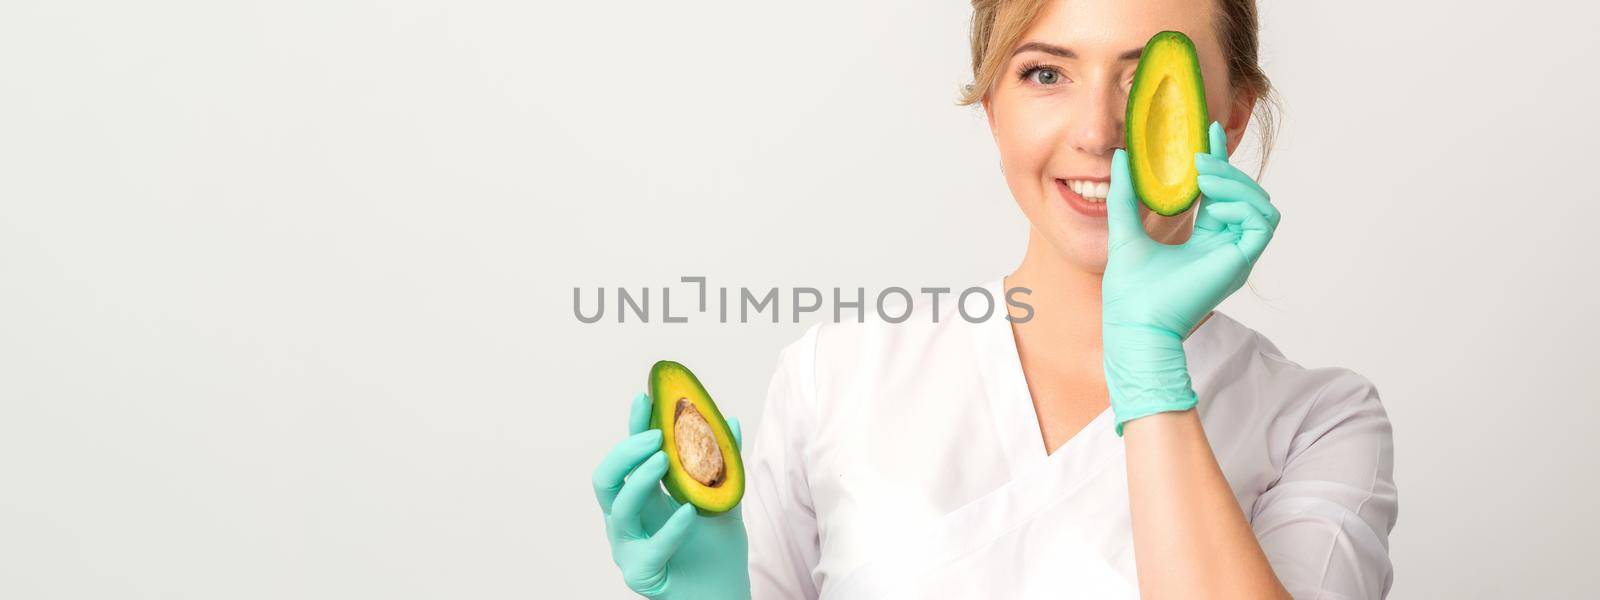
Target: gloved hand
{"x":1153,"y":294}
{"x":689,"y":557}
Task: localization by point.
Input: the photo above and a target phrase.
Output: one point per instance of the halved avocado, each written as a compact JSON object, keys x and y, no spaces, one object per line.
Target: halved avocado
{"x":1166,"y":124}
{"x":703,"y":464}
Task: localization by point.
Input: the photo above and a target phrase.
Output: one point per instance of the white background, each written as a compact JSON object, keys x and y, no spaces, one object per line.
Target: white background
{"x":286,"y":287}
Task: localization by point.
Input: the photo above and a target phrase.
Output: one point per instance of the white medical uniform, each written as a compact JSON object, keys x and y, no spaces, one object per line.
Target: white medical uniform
{"x":905,"y":461}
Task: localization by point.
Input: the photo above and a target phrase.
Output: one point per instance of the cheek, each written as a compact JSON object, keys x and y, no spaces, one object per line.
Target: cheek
{"x":1219,"y":101}
{"x":1026,"y":141}
{"x":1219,"y":96}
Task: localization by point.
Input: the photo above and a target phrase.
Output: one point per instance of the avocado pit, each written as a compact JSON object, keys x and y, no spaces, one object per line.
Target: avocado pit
{"x":697,"y":445}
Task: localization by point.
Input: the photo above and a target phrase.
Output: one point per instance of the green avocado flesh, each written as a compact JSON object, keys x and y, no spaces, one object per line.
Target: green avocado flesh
{"x":703,"y":464}
{"x":1166,"y":124}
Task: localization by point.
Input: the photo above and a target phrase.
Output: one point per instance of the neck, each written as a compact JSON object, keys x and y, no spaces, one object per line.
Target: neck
{"x":1065,"y":329}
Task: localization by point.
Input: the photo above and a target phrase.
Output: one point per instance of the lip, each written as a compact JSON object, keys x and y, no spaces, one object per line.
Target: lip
{"x":1093,"y":210}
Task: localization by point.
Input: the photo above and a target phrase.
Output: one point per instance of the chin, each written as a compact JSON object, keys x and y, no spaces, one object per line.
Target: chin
{"x":1085,"y":250}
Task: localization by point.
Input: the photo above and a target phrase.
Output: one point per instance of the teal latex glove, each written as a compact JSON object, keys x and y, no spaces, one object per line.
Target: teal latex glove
{"x":690,"y":556}
{"x":1154,"y":294}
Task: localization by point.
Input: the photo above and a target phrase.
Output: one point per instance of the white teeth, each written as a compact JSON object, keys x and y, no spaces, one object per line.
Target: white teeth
{"x":1093,"y":191}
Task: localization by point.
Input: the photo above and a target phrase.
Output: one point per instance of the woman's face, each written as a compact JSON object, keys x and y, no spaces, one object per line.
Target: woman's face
{"x":1057,"y":109}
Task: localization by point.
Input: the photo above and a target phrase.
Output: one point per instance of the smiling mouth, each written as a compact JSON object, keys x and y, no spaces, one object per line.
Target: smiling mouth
{"x":1093,"y":191}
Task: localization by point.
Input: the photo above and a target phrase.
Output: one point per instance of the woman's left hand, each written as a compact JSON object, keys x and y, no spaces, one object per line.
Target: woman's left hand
{"x":1153,"y":294}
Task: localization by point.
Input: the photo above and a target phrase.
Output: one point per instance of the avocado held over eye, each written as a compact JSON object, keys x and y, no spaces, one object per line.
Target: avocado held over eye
{"x":703,"y":463}
{"x":1166,"y":124}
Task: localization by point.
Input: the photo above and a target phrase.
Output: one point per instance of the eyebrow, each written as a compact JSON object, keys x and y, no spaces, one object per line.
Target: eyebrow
{"x":1068,"y":53}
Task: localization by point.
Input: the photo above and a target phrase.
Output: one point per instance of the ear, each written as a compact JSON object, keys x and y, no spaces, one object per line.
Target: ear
{"x":1244,"y":103}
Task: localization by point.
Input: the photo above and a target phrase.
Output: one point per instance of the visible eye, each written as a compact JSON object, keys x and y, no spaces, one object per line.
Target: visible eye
{"x":1040,"y":74}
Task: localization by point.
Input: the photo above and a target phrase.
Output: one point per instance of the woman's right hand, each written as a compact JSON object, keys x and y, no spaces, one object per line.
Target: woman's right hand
{"x":689,"y":556}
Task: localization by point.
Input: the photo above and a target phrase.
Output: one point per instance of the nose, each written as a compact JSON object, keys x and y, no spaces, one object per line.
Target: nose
{"x":1099,"y":128}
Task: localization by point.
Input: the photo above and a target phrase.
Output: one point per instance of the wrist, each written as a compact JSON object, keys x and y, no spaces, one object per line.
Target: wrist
{"x":1146,"y":370}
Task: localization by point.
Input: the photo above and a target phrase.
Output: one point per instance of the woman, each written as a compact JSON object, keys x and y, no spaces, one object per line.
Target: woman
{"x":938,"y":458}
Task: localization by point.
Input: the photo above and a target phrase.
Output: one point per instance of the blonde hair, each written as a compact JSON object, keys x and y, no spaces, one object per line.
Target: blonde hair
{"x":997,"y":26}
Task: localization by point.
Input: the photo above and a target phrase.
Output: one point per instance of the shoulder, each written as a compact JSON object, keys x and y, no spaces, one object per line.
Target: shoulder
{"x":908,"y":326}
{"x":1244,"y":353}
{"x":1248,"y":379}
{"x":912,"y":338}
{"x":795,"y":375}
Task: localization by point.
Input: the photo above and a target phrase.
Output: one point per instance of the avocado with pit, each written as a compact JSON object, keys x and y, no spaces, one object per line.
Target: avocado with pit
{"x":703,"y":463}
{"x":1166,"y":124}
